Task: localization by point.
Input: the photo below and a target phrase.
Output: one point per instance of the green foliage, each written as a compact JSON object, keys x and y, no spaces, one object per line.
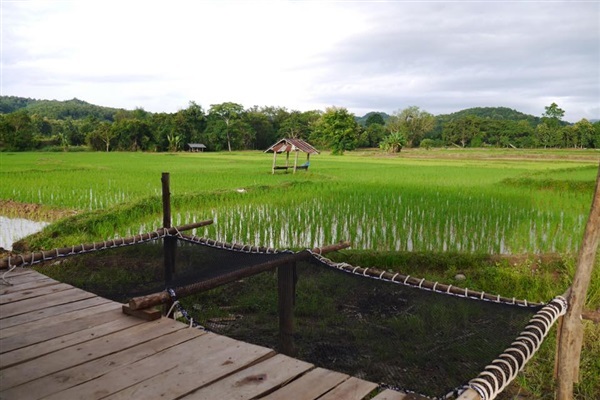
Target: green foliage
{"x":413,"y":122}
{"x":77,"y":123}
{"x":373,"y":117}
{"x":16,"y":131}
{"x":394,"y":142}
{"x":336,"y":129}
{"x":427,"y":144}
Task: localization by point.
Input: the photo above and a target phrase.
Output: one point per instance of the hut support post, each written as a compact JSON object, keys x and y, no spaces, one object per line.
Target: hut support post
{"x":170,"y":243}
{"x":286,"y":281}
{"x":570,"y":337}
{"x":296,"y":161}
{"x":287,"y":159}
{"x":274,"y":161}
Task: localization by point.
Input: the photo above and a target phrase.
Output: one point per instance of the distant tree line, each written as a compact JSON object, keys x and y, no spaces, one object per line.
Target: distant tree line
{"x":28,"y":124}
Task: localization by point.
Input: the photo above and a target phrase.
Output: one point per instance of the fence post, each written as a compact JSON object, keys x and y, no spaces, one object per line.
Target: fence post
{"x":286,"y":284}
{"x":570,"y":335}
{"x":170,"y":243}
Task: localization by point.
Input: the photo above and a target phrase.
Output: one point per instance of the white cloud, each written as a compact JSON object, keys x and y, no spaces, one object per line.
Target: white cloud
{"x":441,"y":56}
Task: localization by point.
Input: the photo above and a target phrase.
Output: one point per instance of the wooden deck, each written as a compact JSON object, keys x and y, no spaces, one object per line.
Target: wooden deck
{"x":60,"y":342}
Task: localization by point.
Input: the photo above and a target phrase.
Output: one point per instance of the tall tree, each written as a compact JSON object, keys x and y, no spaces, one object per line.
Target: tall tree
{"x":462,"y":130}
{"x":102,"y":137}
{"x":584,"y":133}
{"x":17,"y":131}
{"x":550,"y":132}
{"x":228,"y":112}
{"x":553,"y":112}
{"x":374,"y":118}
{"x":337,"y":129}
{"x":261,"y":128}
{"x":414,"y":122}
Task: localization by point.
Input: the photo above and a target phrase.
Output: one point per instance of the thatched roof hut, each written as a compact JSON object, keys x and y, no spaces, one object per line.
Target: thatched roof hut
{"x":288,"y":145}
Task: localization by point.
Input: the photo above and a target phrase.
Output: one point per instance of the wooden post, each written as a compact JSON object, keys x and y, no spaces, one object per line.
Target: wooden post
{"x":286,"y":287}
{"x":287,"y":160}
{"x":274,"y":161}
{"x":170,"y":243}
{"x":570,"y":337}
{"x":296,"y":161}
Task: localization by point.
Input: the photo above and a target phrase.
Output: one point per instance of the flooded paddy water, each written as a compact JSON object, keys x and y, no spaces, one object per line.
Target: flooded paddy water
{"x":14,"y":229}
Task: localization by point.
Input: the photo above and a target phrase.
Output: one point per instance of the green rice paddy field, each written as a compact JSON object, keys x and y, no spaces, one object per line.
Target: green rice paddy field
{"x":496,"y":215}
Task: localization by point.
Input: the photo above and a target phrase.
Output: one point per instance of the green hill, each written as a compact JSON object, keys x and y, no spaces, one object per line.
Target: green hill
{"x":55,"y":109}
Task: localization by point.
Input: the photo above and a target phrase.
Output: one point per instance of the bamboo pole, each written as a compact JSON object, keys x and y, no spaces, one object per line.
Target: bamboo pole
{"x":39,"y":256}
{"x":571,"y":333}
{"x":469,"y":394}
{"x":138,"y":303}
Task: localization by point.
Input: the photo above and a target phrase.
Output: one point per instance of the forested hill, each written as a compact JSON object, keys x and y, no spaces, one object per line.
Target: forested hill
{"x":55,"y":109}
{"x":496,"y":113}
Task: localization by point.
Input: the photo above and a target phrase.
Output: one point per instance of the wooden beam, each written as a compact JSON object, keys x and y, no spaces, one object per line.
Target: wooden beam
{"x":571,"y":333}
{"x":138,"y":303}
{"x":149,"y":314}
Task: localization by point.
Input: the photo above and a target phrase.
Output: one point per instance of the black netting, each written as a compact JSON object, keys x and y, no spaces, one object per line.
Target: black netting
{"x":383,"y":332}
{"x":120,"y":273}
{"x":401,"y":336}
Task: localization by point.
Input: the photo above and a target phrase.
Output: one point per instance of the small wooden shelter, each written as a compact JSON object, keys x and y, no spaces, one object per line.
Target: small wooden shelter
{"x":195,"y":147}
{"x":287,"y":146}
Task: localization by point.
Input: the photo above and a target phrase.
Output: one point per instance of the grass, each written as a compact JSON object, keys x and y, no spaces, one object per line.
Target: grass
{"x":511,"y":221}
{"x":418,"y":201}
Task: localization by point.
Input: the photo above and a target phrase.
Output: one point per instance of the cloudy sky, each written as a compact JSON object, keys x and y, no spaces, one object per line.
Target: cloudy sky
{"x":442,"y":56}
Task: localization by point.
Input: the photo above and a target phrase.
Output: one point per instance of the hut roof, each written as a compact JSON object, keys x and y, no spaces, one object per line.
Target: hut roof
{"x":196,"y":146}
{"x":287,"y":145}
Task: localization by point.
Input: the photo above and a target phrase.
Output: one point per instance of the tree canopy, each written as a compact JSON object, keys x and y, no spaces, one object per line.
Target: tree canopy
{"x":27,"y":124}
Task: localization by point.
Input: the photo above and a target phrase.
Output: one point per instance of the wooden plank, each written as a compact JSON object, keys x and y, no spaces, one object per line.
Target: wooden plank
{"x":55,"y":332}
{"x":350,"y":389}
{"x":17,"y":272}
{"x":309,"y":386}
{"x":60,"y":381}
{"x":19,"y":279}
{"x":49,"y":312}
{"x":87,"y":351}
{"x":390,"y":395}
{"x":50,"y":346}
{"x":254,"y":381}
{"x":27,"y":286}
{"x":148,"y":314}
{"x":50,"y":300}
{"x":117,"y":379}
{"x":202,"y":369}
{"x":62,"y":319}
{"x":32,"y":293}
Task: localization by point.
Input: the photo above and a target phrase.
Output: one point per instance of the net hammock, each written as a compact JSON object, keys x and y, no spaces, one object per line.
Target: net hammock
{"x":402,"y":332}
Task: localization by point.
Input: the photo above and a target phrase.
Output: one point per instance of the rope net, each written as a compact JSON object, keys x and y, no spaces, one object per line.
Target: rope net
{"x":403,"y":332}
